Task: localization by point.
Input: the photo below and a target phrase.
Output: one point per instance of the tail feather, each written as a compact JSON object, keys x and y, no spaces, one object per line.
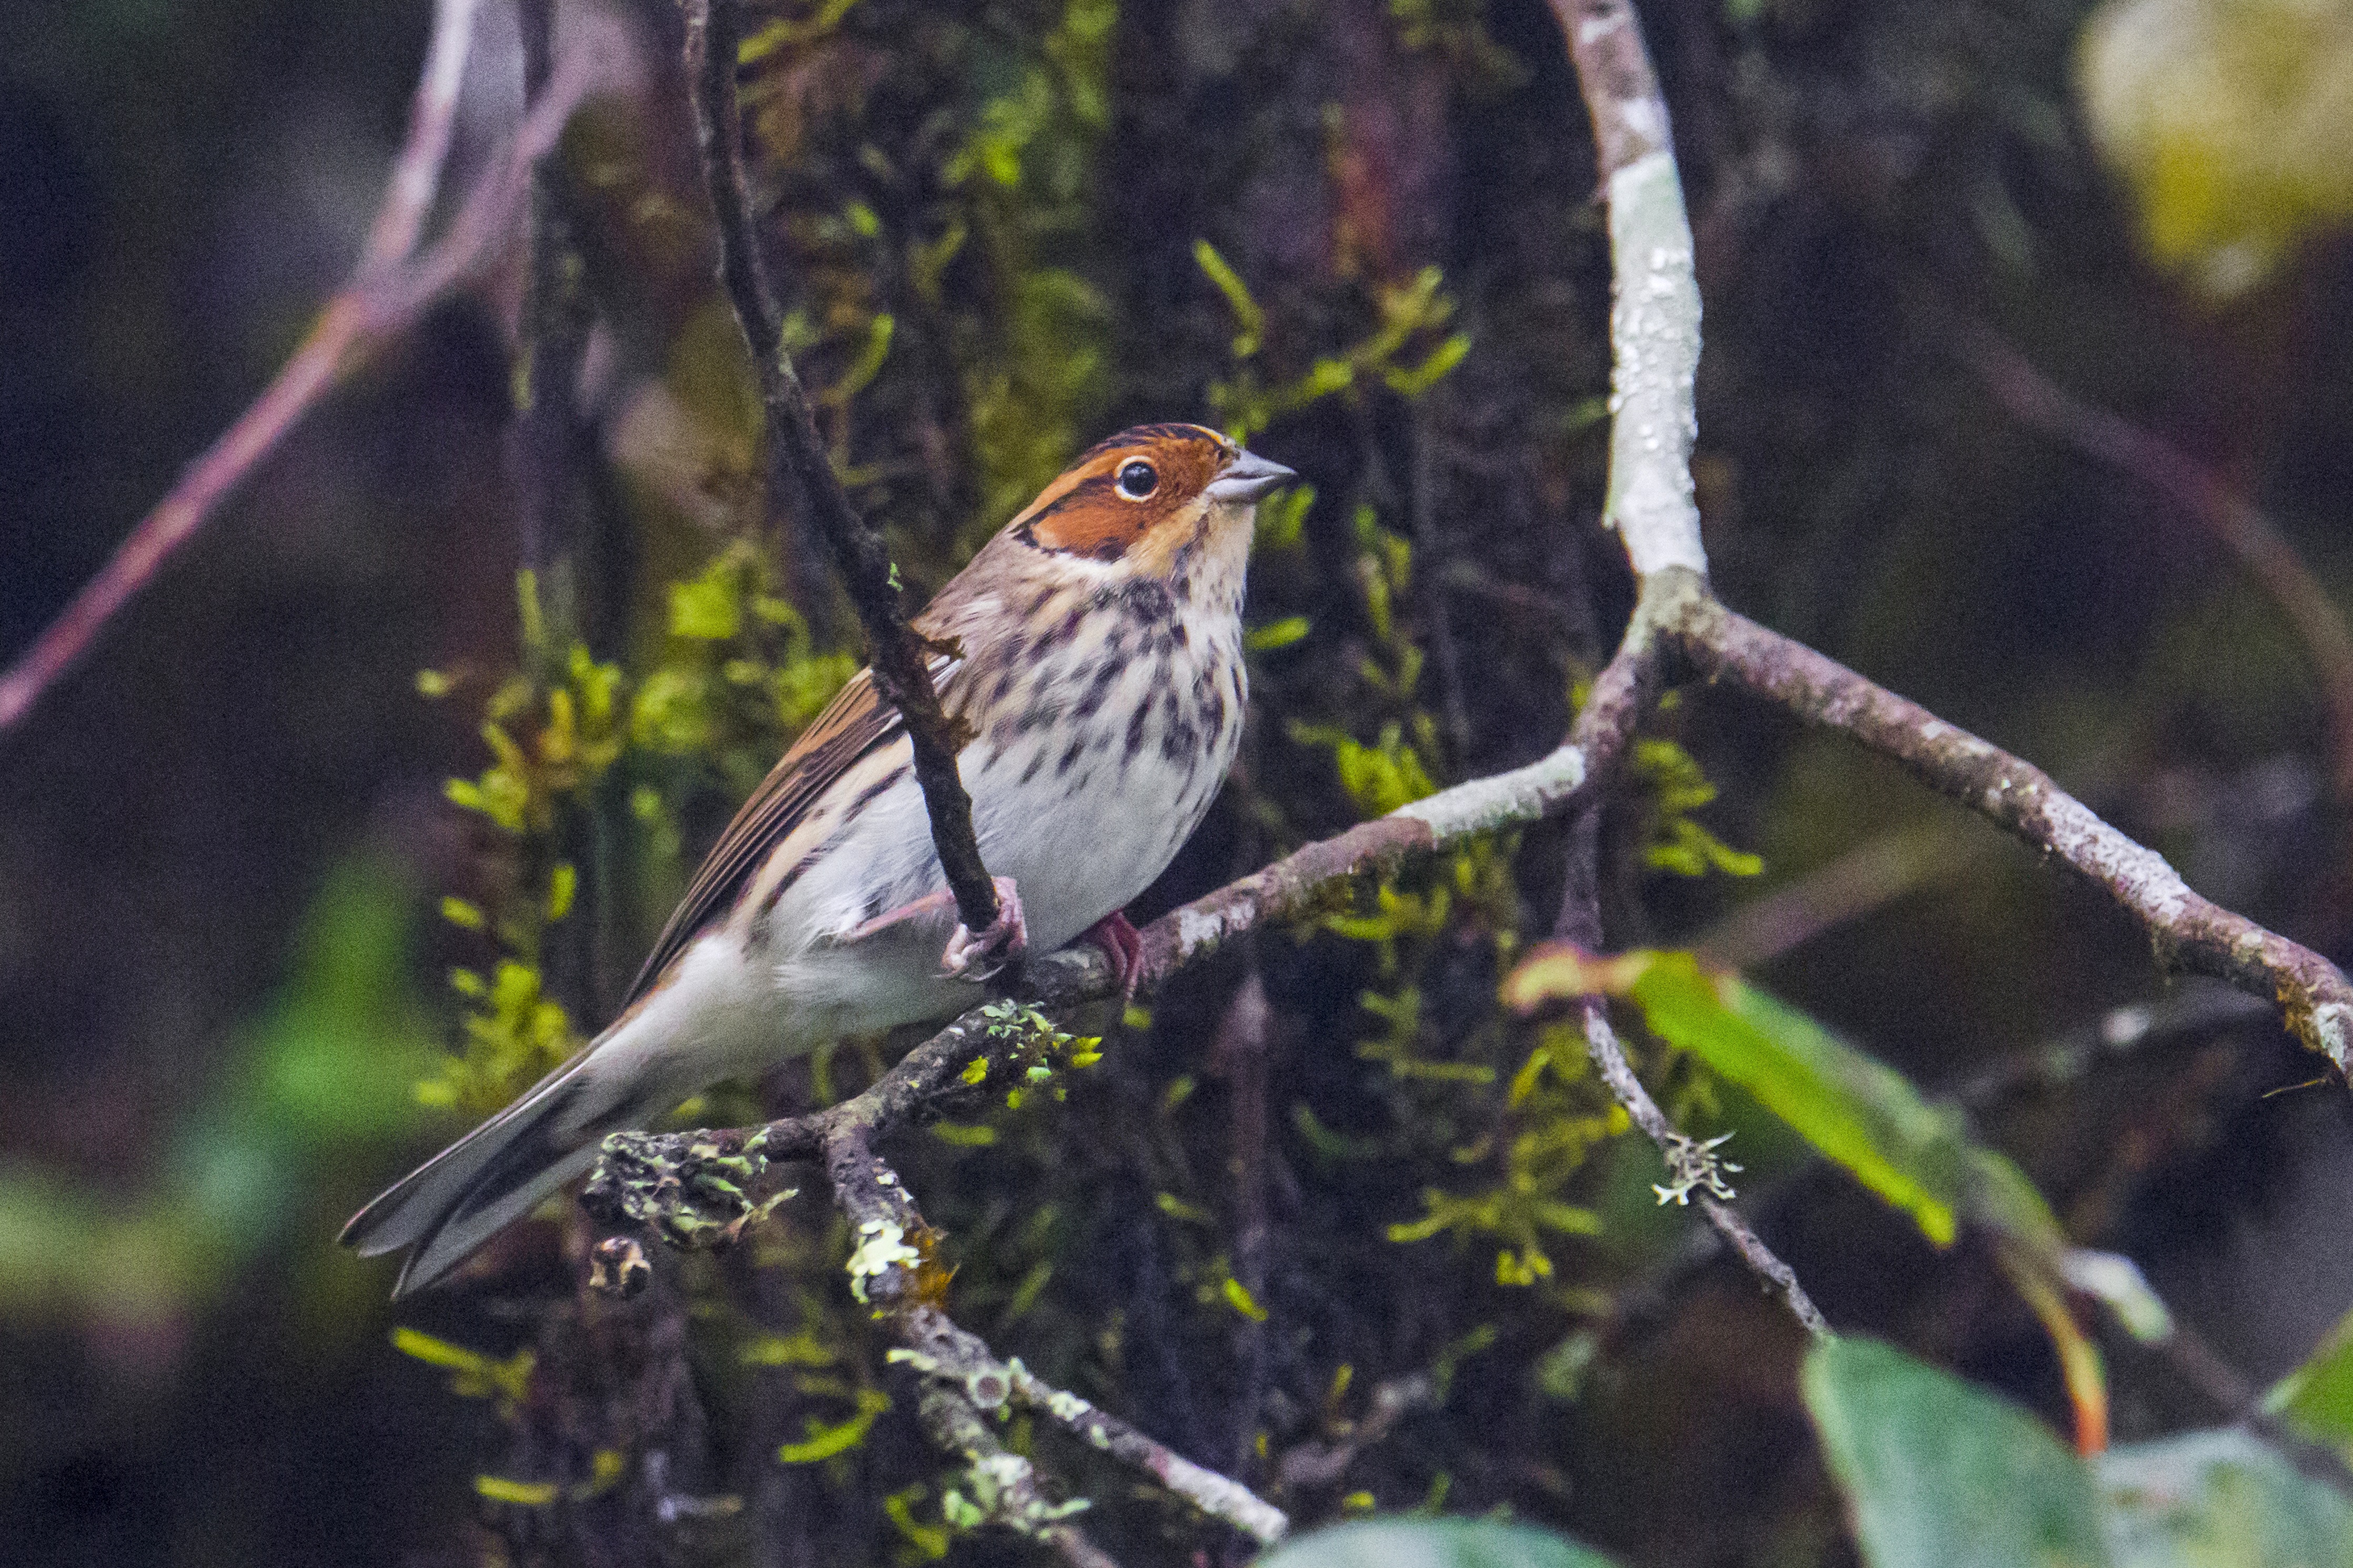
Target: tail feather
{"x":494,"y":1176}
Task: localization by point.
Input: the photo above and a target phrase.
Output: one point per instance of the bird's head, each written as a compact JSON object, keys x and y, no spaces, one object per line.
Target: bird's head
{"x":1153,"y":500}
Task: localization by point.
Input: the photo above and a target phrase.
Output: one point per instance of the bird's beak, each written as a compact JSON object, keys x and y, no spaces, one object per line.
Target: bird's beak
{"x":1247,"y":478}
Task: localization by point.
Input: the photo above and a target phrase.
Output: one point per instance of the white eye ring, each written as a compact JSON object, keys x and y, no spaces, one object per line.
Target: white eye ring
{"x":1137,"y":480}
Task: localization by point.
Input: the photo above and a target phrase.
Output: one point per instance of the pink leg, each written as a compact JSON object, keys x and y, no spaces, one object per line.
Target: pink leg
{"x":976,"y":957}
{"x":1123,"y":946}
{"x":937,"y":904}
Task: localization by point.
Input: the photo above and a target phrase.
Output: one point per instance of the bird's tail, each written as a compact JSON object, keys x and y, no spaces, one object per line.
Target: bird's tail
{"x":494,"y":1176}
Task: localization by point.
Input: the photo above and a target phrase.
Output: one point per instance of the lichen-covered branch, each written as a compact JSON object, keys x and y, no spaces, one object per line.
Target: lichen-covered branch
{"x":1654,"y":291}
{"x":698,"y":1189}
{"x":1003,"y":1485}
{"x":802,"y":484}
{"x":1609,"y":1061}
{"x":935,"y":1346}
{"x":2190,"y":932}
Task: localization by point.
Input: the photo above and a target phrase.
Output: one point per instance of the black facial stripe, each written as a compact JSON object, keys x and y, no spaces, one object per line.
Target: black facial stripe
{"x":1084,"y":489}
{"x":1142,"y":434}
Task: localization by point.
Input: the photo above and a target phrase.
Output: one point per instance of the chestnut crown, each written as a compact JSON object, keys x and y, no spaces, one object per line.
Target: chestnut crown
{"x":1149,"y":486}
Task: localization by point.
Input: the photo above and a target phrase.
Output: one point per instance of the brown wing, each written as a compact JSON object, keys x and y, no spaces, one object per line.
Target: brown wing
{"x":853,"y":724}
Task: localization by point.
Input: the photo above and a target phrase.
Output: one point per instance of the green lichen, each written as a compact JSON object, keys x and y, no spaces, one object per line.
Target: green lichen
{"x":689,"y":1194}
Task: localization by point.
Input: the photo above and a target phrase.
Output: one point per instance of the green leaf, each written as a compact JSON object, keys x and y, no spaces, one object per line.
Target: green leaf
{"x":1248,"y":317}
{"x":1941,"y":1475}
{"x":2218,"y":1499}
{"x":1277,"y":633}
{"x":1431,"y":1543}
{"x":2316,"y":1398}
{"x":1857,"y":1110}
{"x":708,"y":609}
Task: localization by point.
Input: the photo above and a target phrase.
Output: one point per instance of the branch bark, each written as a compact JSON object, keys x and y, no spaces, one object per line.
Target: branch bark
{"x":1609,"y":1061}
{"x":552,"y":342}
{"x":1654,"y":292}
{"x":1654,"y":341}
{"x":802,"y":484}
{"x":2189,"y":932}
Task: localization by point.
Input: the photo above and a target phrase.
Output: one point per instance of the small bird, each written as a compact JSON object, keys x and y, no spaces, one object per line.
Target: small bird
{"x":1098,"y":678}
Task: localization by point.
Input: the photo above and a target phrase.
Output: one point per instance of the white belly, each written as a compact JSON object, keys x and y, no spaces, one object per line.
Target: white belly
{"x":1081,"y":832}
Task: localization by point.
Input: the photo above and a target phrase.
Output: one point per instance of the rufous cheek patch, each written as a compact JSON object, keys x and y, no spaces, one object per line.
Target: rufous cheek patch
{"x":1083,"y":513}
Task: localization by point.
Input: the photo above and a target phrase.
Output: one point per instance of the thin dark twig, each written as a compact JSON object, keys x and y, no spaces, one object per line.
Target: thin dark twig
{"x":802,"y":484}
{"x":2240,"y":526}
{"x":1430,"y":587}
{"x":1602,"y":1046}
{"x":1239,"y":1055}
{"x":1316,"y":1464}
{"x":1579,"y":921}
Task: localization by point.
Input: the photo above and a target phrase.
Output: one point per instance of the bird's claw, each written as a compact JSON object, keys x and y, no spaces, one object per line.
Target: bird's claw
{"x":978,"y":957}
{"x":1122,"y":946}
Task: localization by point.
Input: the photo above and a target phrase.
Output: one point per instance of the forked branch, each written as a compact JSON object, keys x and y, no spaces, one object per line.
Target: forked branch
{"x":1677,"y":625}
{"x":389,"y":291}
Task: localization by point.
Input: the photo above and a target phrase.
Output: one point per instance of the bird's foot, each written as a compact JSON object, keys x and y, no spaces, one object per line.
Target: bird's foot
{"x":977,"y":957}
{"x":1123,"y":946}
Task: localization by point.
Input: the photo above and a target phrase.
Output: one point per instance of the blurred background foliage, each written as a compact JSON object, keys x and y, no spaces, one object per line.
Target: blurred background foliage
{"x":279,"y":913}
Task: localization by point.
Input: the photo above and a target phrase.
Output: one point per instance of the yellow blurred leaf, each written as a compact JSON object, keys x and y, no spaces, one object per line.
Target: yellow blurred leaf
{"x":2232,"y":122}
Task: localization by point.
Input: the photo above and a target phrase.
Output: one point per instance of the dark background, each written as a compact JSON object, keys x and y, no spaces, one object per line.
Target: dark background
{"x":223,"y":838}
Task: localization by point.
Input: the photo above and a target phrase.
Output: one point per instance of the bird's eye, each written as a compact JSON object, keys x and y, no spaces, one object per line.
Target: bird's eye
{"x":1138,"y":480}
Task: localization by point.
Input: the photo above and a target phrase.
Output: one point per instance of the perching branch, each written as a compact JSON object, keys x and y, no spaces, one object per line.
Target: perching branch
{"x":802,"y":484}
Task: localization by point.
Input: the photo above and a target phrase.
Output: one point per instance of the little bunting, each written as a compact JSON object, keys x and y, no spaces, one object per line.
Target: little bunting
{"x":1098,"y":684}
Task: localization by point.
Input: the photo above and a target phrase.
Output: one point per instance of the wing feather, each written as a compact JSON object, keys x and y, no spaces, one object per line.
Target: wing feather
{"x":855,"y":724}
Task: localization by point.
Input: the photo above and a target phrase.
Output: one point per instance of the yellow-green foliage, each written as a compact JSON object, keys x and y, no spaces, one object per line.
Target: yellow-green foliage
{"x":1672,"y":840}
{"x":1023,"y":180}
{"x":569,"y":736}
{"x":2233,"y":121}
{"x":1246,"y":403}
